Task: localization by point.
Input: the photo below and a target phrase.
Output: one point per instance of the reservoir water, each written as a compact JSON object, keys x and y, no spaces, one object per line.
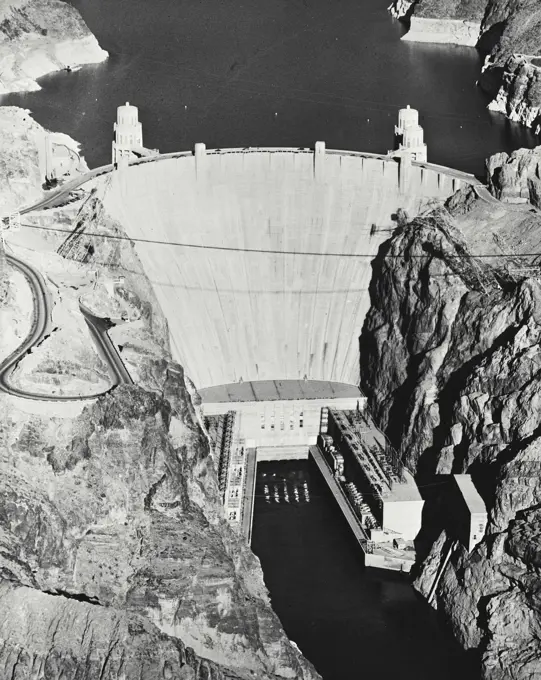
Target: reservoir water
{"x":270,"y":73}
{"x":288,"y":73}
{"x":349,"y":622}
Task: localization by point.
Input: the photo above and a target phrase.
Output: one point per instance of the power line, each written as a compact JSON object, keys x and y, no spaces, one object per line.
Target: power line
{"x":201,"y":246}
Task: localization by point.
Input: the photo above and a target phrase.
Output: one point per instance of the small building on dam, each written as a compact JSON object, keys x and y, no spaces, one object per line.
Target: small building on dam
{"x":261,"y":261}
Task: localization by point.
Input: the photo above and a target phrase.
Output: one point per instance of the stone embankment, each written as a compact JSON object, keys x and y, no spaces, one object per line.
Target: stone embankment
{"x":450,"y":31}
{"x":41,"y":36}
{"x":445,"y":22}
{"x":451,"y":366}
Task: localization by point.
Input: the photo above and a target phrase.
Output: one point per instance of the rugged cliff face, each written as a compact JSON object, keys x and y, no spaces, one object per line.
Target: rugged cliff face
{"x":115,"y":561}
{"x":40,"y":36}
{"x":452,"y":368}
{"x":508,"y":35}
{"x":516,"y":85}
{"x":516,"y":178}
{"x":110,"y":520}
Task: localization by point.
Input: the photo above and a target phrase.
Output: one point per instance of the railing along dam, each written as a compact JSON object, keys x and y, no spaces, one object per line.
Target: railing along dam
{"x":271,"y":280}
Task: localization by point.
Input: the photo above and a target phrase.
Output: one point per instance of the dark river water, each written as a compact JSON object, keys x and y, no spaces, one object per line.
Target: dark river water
{"x":351,"y":623}
{"x":270,"y":73}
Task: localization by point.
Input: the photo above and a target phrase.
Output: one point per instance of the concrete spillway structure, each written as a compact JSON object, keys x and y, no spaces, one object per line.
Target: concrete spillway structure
{"x":271,"y":280}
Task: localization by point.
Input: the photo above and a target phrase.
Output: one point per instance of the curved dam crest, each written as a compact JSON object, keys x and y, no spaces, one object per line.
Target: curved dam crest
{"x":287,"y":297}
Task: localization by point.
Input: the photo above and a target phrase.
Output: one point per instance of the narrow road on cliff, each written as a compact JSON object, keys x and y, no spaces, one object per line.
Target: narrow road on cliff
{"x":41,"y":328}
{"x":60,"y":196}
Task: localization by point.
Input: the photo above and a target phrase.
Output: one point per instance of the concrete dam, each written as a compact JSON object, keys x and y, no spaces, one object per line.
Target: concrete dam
{"x":261,"y":261}
{"x":261,"y":257}
{"x":271,"y":280}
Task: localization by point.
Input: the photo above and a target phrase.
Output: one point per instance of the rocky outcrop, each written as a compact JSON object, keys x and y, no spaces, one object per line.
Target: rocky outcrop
{"x":451,"y":365}
{"x":99,"y":510}
{"x":407,"y":345}
{"x":41,"y":36}
{"x":51,"y":636}
{"x":463,"y":10}
{"x":66,"y":362}
{"x":511,"y":27}
{"x":516,"y":178}
{"x":401,"y":9}
{"x":519,"y":92}
{"x":491,"y":596}
{"x":511,"y":32}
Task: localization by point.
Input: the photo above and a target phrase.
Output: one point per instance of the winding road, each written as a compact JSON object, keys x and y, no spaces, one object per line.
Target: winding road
{"x":41,"y":328}
{"x":59,"y":196}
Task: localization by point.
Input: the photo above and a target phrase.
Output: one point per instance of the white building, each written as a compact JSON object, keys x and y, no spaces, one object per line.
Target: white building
{"x":406,"y":117}
{"x":469,"y":512}
{"x":403,"y":508}
{"x":128,"y":132}
{"x":280,"y":418}
{"x":394,"y":499}
{"x":410,"y":136}
{"x":266,"y":420}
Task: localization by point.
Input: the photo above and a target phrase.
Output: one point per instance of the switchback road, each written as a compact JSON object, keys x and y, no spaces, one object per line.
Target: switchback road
{"x":41,"y":328}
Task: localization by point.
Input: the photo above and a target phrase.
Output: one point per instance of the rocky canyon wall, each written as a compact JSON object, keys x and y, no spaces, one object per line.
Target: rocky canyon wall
{"x":516,"y":178}
{"x":451,"y":364}
{"x":115,"y":560}
{"x":506,"y":32}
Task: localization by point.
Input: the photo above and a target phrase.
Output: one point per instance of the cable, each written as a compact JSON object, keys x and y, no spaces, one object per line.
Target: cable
{"x":238,"y":249}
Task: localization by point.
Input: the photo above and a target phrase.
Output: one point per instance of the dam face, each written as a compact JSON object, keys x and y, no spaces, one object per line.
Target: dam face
{"x":271,"y":280}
